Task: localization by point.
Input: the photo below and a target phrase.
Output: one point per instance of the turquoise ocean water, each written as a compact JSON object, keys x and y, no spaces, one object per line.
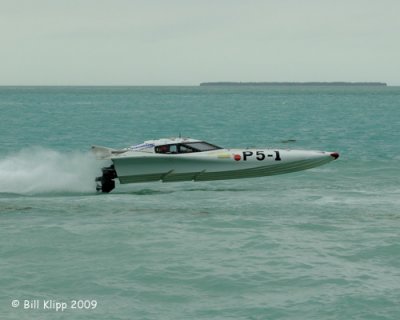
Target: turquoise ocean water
{"x":317,"y":244}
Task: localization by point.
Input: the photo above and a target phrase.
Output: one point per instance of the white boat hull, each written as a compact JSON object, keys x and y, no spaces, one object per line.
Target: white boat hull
{"x":215,"y":165}
{"x":185,"y":159}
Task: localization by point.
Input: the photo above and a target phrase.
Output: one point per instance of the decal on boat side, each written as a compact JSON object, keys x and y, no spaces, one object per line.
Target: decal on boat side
{"x":237,"y":157}
{"x":142,"y":146}
{"x":259,"y":155}
{"x":223,"y":156}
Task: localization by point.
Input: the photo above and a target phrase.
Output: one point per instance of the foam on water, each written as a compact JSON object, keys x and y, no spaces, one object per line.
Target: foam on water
{"x":39,"y":170}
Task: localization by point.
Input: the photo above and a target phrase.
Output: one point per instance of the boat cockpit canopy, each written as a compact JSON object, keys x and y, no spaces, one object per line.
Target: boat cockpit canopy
{"x":188,"y":147}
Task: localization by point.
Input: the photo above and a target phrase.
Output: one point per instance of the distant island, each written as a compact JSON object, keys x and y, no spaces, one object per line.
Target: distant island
{"x":338,"y":83}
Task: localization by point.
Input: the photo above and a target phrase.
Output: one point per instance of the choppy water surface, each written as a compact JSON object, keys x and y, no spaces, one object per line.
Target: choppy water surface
{"x":318,"y":244}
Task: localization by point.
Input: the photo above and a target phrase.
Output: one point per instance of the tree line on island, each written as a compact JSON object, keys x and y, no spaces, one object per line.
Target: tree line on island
{"x":335,"y":83}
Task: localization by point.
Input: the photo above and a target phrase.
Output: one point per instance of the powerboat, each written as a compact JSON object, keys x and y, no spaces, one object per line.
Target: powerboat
{"x":186,"y":159}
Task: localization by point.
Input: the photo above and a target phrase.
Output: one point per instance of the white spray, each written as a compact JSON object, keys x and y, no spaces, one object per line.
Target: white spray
{"x":38,"y":170}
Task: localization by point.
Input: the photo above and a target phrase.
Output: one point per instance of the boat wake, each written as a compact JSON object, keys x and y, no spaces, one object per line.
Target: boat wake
{"x":38,"y":170}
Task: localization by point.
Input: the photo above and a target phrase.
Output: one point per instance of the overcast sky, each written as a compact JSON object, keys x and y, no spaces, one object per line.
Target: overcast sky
{"x":185,"y":42}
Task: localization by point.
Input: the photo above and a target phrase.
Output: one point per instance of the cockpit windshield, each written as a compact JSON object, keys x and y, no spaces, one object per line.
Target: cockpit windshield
{"x":202,"y":146}
{"x":186,"y":147}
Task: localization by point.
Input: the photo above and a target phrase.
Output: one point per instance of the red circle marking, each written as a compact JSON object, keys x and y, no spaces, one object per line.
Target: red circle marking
{"x":237,"y":157}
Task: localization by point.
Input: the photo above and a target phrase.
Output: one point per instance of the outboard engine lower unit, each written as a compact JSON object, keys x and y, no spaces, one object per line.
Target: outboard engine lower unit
{"x":106,"y":182}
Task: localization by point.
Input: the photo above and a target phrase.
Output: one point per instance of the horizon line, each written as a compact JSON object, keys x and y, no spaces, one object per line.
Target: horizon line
{"x":186,"y":85}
